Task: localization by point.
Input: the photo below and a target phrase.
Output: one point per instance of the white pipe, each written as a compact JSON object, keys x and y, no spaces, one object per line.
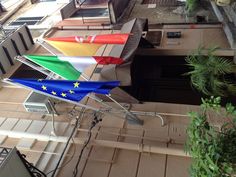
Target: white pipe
{"x":142,"y":148}
{"x":40,"y":137}
{"x":112,"y":144}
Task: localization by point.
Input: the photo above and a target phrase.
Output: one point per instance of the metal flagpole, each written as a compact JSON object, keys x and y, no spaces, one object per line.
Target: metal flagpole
{"x":132,"y":118}
{"x":53,"y":132}
{"x":40,"y":41}
{"x":132,"y":114}
{"x":23,"y":60}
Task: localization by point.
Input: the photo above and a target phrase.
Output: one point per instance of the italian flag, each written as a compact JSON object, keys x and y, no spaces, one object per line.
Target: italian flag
{"x":70,"y":68}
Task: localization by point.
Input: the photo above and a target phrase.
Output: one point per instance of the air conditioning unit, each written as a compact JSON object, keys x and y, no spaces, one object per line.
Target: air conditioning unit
{"x":39,"y":103}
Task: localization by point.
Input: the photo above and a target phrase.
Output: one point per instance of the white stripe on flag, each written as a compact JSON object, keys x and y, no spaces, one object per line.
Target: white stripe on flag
{"x":79,"y":39}
{"x":79,"y":63}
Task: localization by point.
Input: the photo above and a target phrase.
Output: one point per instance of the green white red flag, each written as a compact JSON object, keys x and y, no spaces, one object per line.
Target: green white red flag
{"x":70,"y":68}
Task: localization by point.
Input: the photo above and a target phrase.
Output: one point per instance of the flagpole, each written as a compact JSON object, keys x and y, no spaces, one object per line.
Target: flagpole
{"x":23,"y":60}
{"x":40,"y":42}
{"x":53,"y":132}
{"x":133,"y":118}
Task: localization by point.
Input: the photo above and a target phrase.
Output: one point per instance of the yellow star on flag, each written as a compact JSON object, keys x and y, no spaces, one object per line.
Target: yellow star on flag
{"x":71,"y":91}
{"x":54,"y":93}
{"x":44,"y":87}
{"x":76,"y":84}
{"x":63,"y":94}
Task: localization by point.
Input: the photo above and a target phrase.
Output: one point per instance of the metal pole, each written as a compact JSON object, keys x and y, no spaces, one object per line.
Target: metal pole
{"x":133,"y":118}
{"x":100,"y":101}
{"x":85,"y":77}
{"x":53,"y":132}
{"x":23,"y":60}
{"x":40,"y":42}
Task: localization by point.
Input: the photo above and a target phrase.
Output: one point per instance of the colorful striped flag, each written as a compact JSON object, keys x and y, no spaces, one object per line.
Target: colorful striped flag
{"x":75,"y":49}
{"x":67,"y":90}
{"x":95,"y":39}
{"x":70,"y":68}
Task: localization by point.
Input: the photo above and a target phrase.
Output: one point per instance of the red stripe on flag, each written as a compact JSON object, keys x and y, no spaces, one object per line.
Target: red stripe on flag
{"x":108,"y":60}
{"x":108,"y":39}
{"x":98,"y":39}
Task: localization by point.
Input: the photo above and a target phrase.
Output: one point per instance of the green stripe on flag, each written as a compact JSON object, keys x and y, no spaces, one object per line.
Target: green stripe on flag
{"x":52,"y":63}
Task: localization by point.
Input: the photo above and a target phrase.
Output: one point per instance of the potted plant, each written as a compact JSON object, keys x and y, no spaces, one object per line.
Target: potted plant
{"x":210,"y":74}
{"x":190,"y":6}
{"x":213,"y":150}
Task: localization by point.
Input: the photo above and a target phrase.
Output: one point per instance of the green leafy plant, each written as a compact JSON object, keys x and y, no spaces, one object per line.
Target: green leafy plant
{"x":191,"y":5}
{"x":210,"y":73}
{"x":213,"y":150}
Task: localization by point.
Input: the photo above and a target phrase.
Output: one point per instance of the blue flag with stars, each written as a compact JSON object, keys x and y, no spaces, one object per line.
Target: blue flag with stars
{"x":67,"y":89}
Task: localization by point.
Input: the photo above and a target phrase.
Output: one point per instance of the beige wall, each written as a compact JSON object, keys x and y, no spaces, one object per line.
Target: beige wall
{"x":192,"y":37}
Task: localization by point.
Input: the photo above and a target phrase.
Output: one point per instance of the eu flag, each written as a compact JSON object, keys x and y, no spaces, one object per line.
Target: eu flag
{"x":67,"y":89}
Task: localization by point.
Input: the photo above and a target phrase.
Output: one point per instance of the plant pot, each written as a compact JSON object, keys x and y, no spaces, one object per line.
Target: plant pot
{"x":222,"y":2}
